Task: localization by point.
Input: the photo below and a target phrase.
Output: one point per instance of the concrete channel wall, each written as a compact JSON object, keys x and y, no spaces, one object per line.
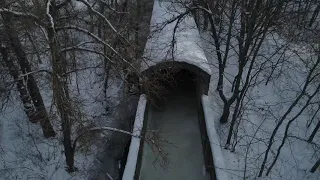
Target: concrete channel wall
{"x":132,"y":159}
{"x":210,"y":143}
{"x":217,"y":157}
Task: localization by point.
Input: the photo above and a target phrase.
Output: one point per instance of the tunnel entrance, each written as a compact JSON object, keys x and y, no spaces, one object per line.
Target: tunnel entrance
{"x":173,"y":113}
{"x":173,"y":83}
{"x":172,"y":77}
{"x":182,"y":80}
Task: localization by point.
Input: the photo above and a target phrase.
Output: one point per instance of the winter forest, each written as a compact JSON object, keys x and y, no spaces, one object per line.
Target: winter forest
{"x":71,"y":78}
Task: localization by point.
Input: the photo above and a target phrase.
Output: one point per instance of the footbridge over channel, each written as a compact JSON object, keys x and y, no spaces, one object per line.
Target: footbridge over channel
{"x":179,"y":112}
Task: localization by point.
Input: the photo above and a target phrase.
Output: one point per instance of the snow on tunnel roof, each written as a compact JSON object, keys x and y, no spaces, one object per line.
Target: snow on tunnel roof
{"x":187,"y":40}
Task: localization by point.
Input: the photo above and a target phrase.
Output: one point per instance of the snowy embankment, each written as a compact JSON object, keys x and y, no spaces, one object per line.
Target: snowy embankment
{"x":25,"y":153}
{"x":266,"y":103}
{"x":218,"y":158}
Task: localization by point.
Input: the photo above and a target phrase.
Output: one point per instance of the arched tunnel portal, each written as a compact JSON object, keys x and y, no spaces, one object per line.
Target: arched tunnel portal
{"x":173,"y":77}
{"x":174,"y":113}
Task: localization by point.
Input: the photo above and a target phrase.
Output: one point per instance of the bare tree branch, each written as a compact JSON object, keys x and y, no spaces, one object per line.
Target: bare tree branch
{"x":23,"y":15}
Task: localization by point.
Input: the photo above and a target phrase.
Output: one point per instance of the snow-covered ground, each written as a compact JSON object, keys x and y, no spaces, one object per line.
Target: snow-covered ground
{"x":26,"y":154}
{"x":267,"y":103}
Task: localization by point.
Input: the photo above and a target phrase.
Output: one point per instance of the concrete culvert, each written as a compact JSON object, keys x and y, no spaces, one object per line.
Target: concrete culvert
{"x":173,"y":113}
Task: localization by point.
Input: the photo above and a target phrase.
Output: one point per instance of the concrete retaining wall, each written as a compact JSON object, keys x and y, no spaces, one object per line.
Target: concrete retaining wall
{"x":210,"y":143}
{"x":217,"y":158}
{"x":131,"y":164}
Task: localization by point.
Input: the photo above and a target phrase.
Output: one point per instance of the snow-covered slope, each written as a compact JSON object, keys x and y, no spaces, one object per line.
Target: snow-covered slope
{"x":265,"y":105}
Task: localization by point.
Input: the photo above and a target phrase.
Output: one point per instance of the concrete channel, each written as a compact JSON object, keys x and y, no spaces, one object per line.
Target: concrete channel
{"x":176,"y":120}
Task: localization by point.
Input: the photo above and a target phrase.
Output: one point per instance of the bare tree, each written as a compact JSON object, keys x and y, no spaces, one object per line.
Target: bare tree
{"x":57,"y":22}
{"x":247,"y":24}
{"x":314,"y":15}
{"x":315,"y":167}
{"x":25,"y":68}
{"x":24,"y":95}
{"x":311,"y":77}
{"x":314,"y":132}
{"x":32,"y":86}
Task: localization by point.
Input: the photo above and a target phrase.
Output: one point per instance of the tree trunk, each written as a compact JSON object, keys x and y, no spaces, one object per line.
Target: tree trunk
{"x":60,"y":89}
{"x":233,"y":122}
{"x":205,"y":21}
{"x":61,"y":95}
{"x":314,"y":15}
{"x":100,"y":26}
{"x":68,"y":149}
{"x":137,"y":28}
{"x":314,"y":132}
{"x":23,"y":93}
{"x":32,"y":86}
{"x":226,"y":112}
{"x":315,"y":166}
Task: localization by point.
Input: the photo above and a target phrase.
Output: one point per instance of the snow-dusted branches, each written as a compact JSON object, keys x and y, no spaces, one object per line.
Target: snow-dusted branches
{"x":76,"y":48}
{"x":104,"y":32}
{"x":85,"y":2}
{"x":34,"y":72}
{"x":50,"y":19}
{"x":23,"y":15}
{"x":79,"y":29}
